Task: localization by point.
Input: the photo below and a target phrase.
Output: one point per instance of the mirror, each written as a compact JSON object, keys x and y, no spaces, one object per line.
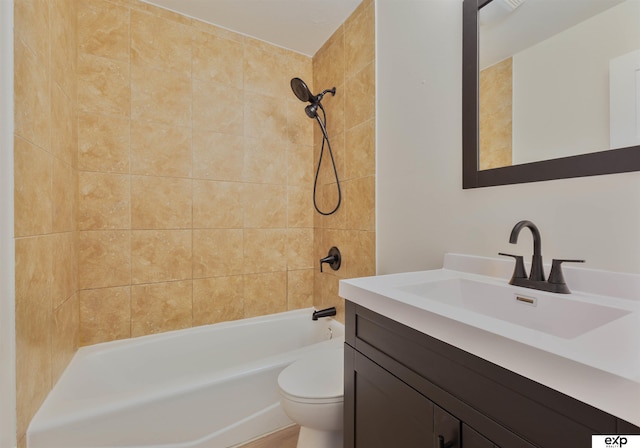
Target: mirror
{"x":589,"y":149}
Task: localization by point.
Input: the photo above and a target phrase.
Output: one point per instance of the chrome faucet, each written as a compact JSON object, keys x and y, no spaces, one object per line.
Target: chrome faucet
{"x":536,"y":280}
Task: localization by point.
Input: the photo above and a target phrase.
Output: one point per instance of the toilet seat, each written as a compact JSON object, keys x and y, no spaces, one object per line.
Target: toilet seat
{"x":317,"y":378}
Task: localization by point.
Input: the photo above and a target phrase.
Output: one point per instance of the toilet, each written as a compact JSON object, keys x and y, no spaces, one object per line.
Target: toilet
{"x":312,"y":395}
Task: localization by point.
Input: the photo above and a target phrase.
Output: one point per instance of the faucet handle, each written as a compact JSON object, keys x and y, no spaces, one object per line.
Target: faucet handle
{"x":518,"y":271}
{"x":555,"y":276}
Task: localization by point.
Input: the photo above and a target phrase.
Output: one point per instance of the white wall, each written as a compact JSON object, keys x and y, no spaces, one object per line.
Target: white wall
{"x":561,"y":86}
{"x":422,"y":211}
{"x":7,"y":260}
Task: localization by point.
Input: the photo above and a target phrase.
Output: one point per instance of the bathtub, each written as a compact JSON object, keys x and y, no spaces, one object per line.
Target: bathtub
{"x":213,"y":386}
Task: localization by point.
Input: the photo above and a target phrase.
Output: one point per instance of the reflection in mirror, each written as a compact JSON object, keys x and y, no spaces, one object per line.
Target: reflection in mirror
{"x":557,"y":79}
{"x":557,"y":98}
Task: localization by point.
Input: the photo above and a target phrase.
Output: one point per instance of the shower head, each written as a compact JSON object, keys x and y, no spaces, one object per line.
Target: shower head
{"x":301,"y":90}
{"x":304,"y":94}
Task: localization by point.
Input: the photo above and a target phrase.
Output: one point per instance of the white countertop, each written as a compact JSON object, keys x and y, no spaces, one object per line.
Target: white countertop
{"x":600,"y":367}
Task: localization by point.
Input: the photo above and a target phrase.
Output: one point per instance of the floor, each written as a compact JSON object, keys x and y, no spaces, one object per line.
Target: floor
{"x":287,"y":438}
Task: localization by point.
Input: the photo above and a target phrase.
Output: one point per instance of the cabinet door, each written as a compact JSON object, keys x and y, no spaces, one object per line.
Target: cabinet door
{"x":388,"y":413}
{"x":446,"y":429}
{"x":472,"y":439}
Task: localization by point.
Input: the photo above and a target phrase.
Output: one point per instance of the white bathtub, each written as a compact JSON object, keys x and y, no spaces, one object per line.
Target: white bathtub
{"x":213,"y":386}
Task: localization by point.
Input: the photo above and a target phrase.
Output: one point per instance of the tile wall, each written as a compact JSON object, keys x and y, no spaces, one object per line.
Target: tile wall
{"x":347,"y":61}
{"x":45,"y":144}
{"x":164,"y":175}
{"x":496,"y":104}
{"x":195,"y":168}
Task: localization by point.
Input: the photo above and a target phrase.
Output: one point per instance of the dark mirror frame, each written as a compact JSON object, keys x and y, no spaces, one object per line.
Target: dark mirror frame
{"x":604,"y":162}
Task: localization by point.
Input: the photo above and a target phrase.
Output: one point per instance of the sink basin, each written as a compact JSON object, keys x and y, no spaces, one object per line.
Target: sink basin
{"x":565,"y":317}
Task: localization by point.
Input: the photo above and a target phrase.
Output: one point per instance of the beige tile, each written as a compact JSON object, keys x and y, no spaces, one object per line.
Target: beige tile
{"x":161,"y":307}
{"x":360,"y":102}
{"x":105,"y":314}
{"x":31,"y":26}
{"x":32,"y":189}
{"x":300,"y":127}
{"x":495,"y":120}
{"x":218,"y":299}
{"x":160,"y":255}
{"x":265,"y":117}
{"x":299,"y":207}
{"x":217,"y":252}
{"x":328,"y":62}
{"x":103,"y":143}
{"x":217,"y":204}
{"x":300,"y":289}
{"x":300,"y":165}
{"x":64,"y":45}
{"x":64,"y":268}
{"x":360,"y":197}
{"x":265,"y":206}
{"x":360,"y":151}
{"x":265,"y":293}
{"x":218,"y":108}
{"x":265,"y":250}
{"x":157,"y":11}
{"x":359,"y":39}
{"x":103,"y":29}
{"x":300,"y":249}
{"x":64,"y":137}
{"x":327,"y":174}
{"x":160,"y":43}
{"x":330,"y":297}
{"x":217,"y":31}
{"x":335,"y":109}
{"x":158,"y":150}
{"x":328,"y":199}
{"x":263,"y":45}
{"x":104,"y":258}
{"x":103,"y":201}
{"x":364,"y":247}
{"x":300,"y":66}
{"x":266,"y":70}
{"x":32,"y":99}
{"x":160,"y":203}
{"x":103,"y":86}
{"x":217,"y":156}
{"x":33,"y":325}
{"x":65,"y":336}
{"x":64,"y":185}
{"x":342,"y":239}
{"x":217,"y":59}
{"x":265,"y":161}
{"x":160,"y":96}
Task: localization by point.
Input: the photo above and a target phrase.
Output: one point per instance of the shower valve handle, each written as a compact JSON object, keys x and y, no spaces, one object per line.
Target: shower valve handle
{"x":333,"y":259}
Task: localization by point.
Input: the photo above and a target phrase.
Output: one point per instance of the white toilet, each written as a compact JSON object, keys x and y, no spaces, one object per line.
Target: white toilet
{"x":312,"y":395}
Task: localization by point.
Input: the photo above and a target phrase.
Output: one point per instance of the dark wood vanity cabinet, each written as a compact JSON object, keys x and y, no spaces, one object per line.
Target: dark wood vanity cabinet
{"x":406,"y":389}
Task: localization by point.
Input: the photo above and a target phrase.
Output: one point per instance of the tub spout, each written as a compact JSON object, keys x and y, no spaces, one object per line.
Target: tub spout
{"x":324,"y":313}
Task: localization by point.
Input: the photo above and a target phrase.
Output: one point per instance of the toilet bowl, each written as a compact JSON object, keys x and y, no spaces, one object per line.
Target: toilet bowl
{"x":312,"y":395}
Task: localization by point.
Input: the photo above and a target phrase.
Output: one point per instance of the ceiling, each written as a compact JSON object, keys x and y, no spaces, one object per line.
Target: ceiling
{"x":532,"y":22}
{"x":299,"y":25}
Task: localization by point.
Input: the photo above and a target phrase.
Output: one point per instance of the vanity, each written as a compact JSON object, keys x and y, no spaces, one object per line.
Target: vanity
{"x":457,"y":357}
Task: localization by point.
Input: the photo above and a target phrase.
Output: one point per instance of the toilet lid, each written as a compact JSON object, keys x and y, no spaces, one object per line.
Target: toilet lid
{"x":317,"y":376}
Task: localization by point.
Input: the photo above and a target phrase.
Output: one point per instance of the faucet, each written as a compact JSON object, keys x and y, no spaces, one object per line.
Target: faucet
{"x":536,"y":280}
{"x":537,"y":270}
